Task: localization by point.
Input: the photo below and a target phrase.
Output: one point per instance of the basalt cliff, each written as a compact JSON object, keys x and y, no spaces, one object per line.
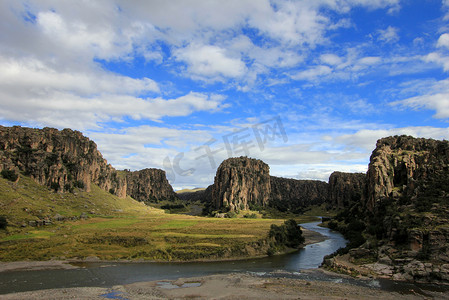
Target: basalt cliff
{"x":64,"y":160}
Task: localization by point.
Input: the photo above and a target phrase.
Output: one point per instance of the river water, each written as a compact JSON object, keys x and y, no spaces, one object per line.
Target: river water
{"x":104,"y":274}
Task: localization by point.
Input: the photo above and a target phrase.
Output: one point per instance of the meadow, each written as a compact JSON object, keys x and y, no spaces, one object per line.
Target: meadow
{"x":117,"y":229}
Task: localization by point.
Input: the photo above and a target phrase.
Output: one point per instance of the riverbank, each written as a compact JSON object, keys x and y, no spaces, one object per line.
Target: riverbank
{"x":230,"y":286}
{"x":311,"y":237}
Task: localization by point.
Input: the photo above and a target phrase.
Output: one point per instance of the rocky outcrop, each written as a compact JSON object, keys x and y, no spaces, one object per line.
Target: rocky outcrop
{"x":294,"y":195}
{"x":403,"y":166}
{"x":345,"y":189}
{"x":58,"y":159}
{"x":241,"y":182}
{"x":406,"y":210}
{"x":149,"y":185}
{"x":63,"y":160}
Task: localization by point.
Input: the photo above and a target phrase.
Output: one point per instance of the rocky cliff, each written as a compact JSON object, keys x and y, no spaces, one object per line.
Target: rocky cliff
{"x":241,"y":182}
{"x":345,"y":189}
{"x":403,"y":166}
{"x":63,"y":160}
{"x":295,"y":195}
{"x":149,"y":185}
{"x":405,"y":210}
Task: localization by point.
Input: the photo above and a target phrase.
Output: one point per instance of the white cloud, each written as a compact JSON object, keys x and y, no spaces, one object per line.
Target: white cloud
{"x":443,"y":40}
{"x":366,"y":139}
{"x":389,"y":35}
{"x":31,"y":74}
{"x":436,"y":98}
{"x":312,"y":73}
{"x":331,"y":59}
{"x":210,"y":63}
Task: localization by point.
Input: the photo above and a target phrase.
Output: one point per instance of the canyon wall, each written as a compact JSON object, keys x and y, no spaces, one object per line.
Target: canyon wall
{"x":294,"y":195}
{"x":345,"y":189}
{"x":64,"y":160}
{"x":405,"y":210}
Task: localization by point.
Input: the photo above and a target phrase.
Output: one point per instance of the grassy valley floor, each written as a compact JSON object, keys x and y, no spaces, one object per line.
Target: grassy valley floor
{"x":113,"y":228}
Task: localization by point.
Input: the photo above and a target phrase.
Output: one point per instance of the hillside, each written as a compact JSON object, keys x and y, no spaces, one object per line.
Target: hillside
{"x":46,"y":225}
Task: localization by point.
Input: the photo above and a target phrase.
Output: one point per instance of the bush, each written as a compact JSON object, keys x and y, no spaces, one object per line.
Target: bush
{"x":294,"y":234}
{"x":9,"y":175}
{"x":3,"y":222}
{"x":250,"y":216}
{"x":287,"y":235}
{"x":231,"y":214}
{"x":55,"y":186}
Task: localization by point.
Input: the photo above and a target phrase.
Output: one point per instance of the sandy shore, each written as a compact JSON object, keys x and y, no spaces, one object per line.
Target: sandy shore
{"x":231,"y":286}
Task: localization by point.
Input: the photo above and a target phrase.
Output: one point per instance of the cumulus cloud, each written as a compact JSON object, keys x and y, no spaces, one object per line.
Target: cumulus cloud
{"x":443,"y":40}
{"x":210,"y":63}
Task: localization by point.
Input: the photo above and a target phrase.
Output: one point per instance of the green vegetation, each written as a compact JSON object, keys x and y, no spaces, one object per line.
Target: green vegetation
{"x":9,"y":175}
{"x":116,"y":228}
{"x":287,"y":235}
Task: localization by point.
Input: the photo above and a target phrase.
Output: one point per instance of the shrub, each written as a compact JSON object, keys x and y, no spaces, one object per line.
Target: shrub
{"x":294,"y":234}
{"x":250,"y":216}
{"x":55,"y":186}
{"x":9,"y":175}
{"x":231,"y":214}
{"x":287,"y":235}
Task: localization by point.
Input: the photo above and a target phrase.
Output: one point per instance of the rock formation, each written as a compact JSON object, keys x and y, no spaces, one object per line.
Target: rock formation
{"x":345,"y":189}
{"x":406,"y":210}
{"x":149,"y":185}
{"x":294,"y":195}
{"x":404,"y":166}
{"x":63,"y":160}
{"x":241,"y":182}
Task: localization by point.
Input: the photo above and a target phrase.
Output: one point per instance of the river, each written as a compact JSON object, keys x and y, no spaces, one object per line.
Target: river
{"x":106,"y":274}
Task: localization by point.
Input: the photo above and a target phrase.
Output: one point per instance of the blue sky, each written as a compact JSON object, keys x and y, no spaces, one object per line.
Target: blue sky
{"x":306,"y":86}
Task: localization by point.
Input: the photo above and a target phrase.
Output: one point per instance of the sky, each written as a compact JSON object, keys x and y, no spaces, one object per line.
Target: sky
{"x":306,"y":86}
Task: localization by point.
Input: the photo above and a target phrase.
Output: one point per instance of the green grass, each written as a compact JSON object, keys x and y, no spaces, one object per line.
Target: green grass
{"x":116,"y":228}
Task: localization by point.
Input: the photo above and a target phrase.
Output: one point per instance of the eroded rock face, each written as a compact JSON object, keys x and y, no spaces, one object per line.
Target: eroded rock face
{"x":346,"y":188}
{"x":66,"y":159}
{"x":149,"y":185}
{"x":57,"y":159}
{"x":294,"y":195}
{"x":241,"y":182}
{"x":407,"y":203}
{"x":403,"y":165}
